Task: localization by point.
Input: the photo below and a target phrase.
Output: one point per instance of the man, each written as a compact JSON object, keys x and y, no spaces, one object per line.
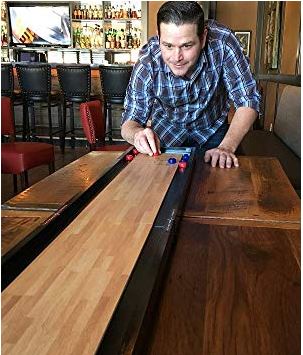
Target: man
{"x":183,"y":81}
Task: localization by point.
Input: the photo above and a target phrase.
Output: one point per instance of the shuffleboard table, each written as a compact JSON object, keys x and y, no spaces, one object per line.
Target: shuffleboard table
{"x":92,"y":288}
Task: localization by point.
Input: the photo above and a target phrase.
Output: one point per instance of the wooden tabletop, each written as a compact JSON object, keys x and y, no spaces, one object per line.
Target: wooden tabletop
{"x":63,"y":301}
{"x":256,"y":193}
{"x":230,"y":290}
{"x":62,"y":186}
{"x":233,"y":285}
{"x":16,"y":225}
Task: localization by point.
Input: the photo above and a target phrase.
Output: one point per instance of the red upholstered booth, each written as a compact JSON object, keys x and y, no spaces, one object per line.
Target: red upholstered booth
{"x":93,"y":123}
{"x":18,"y":157}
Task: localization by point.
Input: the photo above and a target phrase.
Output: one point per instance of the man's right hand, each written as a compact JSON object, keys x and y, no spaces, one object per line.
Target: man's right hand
{"x":147,"y":142}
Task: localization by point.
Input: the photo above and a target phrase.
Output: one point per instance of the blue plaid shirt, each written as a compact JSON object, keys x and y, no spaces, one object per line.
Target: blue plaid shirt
{"x":194,"y":107}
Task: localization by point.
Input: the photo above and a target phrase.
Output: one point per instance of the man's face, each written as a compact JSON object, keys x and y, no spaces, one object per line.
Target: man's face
{"x":181,"y":46}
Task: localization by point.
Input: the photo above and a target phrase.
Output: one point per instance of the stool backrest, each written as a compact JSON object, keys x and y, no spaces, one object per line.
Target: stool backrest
{"x":93,"y":121}
{"x":114,"y":82}
{"x":7,"y":116}
{"x":75,"y":81}
{"x":7,"y":80}
{"x":34,"y":79}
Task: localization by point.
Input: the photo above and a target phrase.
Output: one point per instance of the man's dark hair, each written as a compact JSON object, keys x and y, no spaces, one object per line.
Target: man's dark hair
{"x":180,"y":13}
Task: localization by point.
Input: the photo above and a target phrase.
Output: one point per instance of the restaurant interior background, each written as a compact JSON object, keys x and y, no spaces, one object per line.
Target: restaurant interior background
{"x":271,"y":30}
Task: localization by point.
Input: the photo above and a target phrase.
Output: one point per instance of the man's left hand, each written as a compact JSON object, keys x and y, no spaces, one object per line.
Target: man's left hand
{"x":221,"y":156}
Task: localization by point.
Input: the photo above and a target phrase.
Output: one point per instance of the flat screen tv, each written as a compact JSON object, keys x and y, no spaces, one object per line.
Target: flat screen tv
{"x":39,"y":24}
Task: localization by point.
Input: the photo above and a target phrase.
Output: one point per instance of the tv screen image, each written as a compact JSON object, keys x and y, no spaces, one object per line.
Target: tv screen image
{"x":40,"y":25}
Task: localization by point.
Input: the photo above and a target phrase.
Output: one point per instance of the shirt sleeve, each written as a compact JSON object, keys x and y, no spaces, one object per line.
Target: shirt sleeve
{"x":237,"y":77}
{"x":139,"y":97}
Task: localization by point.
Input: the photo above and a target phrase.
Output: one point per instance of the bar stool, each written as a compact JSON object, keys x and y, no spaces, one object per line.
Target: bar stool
{"x":114,"y":81}
{"x":35,"y":83}
{"x":7,"y":89}
{"x":75,"y":84}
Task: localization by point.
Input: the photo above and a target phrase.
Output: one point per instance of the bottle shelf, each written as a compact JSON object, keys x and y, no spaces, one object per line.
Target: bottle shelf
{"x":90,"y":21}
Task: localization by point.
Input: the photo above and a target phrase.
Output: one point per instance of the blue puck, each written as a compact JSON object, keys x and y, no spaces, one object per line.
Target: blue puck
{"x":185,"y":157}
{"x":171,"y":161}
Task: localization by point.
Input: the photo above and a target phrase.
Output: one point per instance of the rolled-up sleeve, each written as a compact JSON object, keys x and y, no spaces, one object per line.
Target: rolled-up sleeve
{"x":237,"y":76}
{"x":139,"y":95}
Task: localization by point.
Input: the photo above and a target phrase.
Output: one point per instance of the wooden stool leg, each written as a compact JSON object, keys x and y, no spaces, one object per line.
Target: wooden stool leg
{"x":72,"y":125}
{"x":15,"y":182}
{"x":51,"y":167}
{"x":33,"y":122}
{"x":63,"y":127}
{"x":25,"y":123}
{"x":110,"y":122}
{"x":50,"y":123}
{"x":24,"y":180}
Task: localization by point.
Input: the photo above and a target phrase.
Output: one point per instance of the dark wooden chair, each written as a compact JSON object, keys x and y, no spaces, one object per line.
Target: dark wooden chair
{"x":18,"y":157}
{"x":93,"y":123}
{"x":36,"y":89}
{"x":114,"y":80}
{"x":75,"y":85}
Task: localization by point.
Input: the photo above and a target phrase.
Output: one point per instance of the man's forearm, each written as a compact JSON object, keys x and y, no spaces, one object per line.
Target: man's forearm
{"x":129,"y":129}
{"x":242,"y":121}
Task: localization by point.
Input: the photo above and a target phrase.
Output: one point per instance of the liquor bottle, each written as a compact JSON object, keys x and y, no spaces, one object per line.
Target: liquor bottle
{"x":134,"y":12}
{"x":129,"y":41}
{"x":122,"y":39}
{"x":90,"y":13}
{"x":75,"y":12}
{"x":117,"y":12}
{"x":84,"y":13}
{"x":129,"y":11}
{"x":109,"y":12}
{"x":79,"y":13}
{"x":95,"y":13}
{"x":105,"y":12}
{"x":121,"y":11}
{"x":107,"y":40}
{"x":113,"y":40}
{"x":100,"y":12}
{"x":113,"y":12}
{"x":124,"y":11}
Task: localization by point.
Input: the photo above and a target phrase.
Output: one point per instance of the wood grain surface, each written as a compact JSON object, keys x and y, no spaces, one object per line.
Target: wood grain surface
{"x":16,"y":225}
{"x":256,"y":193}
{"x":230,"y":290}
{"x":63,"y":301}
{"x":60,"y":187}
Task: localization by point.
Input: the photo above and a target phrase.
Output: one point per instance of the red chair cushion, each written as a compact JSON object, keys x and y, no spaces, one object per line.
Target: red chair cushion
{"x":18,"y":157}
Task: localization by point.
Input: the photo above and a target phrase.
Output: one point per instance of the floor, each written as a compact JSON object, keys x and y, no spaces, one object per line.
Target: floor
{"x":36,"y":174}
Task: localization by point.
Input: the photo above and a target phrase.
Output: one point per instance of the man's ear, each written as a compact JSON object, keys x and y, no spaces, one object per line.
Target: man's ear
{"x":203,"y":38}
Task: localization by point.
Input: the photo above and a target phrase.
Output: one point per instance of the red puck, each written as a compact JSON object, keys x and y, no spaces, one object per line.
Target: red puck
{"x":156,"y":154}
{"x":129,"y":157}
{"x":135,"y":151}
{"x":182,"y":164}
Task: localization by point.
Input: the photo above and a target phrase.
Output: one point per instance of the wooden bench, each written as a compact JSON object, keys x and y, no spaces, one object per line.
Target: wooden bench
{"x":283,"y":141}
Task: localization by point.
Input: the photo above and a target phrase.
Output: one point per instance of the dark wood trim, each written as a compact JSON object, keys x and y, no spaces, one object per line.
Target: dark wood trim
{"x":259,"y":35}
{"x":294,"y":80}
